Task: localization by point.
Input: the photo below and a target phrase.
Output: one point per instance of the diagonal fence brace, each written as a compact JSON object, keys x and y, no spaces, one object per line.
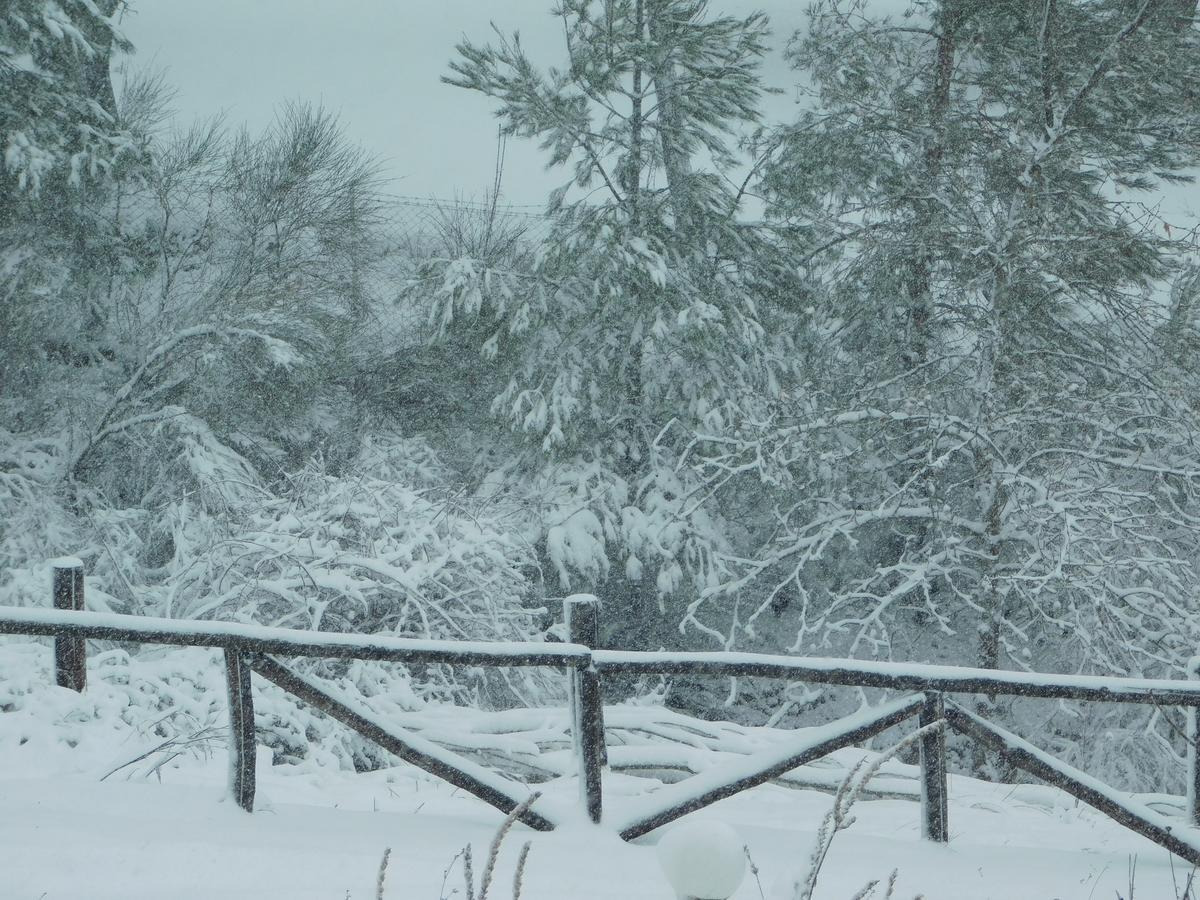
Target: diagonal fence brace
{"x":707,"y":788}
{"x":1121,"y":809}
{"x":473,"y":778}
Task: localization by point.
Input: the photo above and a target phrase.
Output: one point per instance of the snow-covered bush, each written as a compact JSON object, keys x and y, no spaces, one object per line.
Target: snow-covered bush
{"x":384,"y":546}
{"x":34,"y":517}
{"x":144,"y":710}
{"x":138,"y":712}
{"x":364,"y":552}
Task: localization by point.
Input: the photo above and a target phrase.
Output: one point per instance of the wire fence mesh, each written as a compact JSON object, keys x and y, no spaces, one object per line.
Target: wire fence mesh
{"x":413,"y":230}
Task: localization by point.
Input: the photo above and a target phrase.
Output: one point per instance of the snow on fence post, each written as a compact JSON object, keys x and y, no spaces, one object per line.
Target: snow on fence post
{"x":581,"y":612}
{"x":70,"y":653}
{"x":1193,"y":750}
{"x":241,"y":729}
{"x":934,"y":818}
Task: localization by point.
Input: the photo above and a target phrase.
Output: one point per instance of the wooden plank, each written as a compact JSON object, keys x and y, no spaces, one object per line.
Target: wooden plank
{"x":589,"y":727}
{"x":443,"y":763}
{"x":902,"y":676}
{"x":1193,"y":751}
{"x":284,"y":641}
{"x":935,"y":825}
{"x":70,"y":653}
{"x":1021,"y":753}
{"x":581,"y":612}
{"x":582,"y":615}
{"x":762,"y":767}
{"x":242,"y":750}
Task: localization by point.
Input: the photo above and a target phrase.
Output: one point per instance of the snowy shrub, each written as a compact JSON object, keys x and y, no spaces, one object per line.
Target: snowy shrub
{"x":138,"y":712}
{"x":356,"y":552}
{"x":378,"y":548}
{"x":34,"y":517}
{"x":145,"y":710}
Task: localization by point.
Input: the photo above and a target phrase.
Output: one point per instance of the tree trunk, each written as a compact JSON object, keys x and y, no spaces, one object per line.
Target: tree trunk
{"x":633,"y":187}
{"x":670,"y":129}
{"x":918,"y":279}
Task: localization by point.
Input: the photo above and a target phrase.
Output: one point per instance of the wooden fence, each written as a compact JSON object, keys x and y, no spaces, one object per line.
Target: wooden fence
{"x":255,"y":649}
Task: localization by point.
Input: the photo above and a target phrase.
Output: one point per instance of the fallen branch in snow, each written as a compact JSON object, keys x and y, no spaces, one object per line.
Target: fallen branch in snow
{"x":651,"y":742}
{"x":812,"y":744}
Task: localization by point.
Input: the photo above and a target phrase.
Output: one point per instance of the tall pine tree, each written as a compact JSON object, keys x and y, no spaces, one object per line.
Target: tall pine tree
{"x":640,"y":322}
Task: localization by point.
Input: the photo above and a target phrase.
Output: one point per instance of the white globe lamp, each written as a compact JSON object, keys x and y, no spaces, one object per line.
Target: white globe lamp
{"x":702,"y":860}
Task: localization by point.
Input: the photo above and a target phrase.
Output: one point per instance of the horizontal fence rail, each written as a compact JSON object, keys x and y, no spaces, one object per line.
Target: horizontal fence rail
{"x":902,"y":676}
{"x":852,"y":673}
{"x":285,"y":641}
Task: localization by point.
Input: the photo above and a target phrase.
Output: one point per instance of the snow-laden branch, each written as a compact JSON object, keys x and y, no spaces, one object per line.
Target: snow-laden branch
{"x":158,"y":360}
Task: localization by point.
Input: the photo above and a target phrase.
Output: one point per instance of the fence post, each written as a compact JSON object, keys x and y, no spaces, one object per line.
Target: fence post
{"x":70,"y":653}
{"x":581,"y":612}
{"x":1193,"y":751}
{"x":241,"y":729}
{"x":934,"y":819}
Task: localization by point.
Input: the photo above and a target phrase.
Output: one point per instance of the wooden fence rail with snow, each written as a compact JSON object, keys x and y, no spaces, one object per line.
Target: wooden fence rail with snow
{"x":250,"y":648}
{"x":845,"y":672}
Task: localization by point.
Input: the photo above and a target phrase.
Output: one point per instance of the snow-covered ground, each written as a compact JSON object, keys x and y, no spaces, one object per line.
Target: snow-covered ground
{"x":99,"y":800}
{"x":321,"y":835}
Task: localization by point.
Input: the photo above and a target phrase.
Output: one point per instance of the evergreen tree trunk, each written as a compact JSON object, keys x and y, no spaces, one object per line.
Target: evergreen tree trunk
{"x":919,"y":278}
{"x":676,"y":164}
{"x":633,"y":186}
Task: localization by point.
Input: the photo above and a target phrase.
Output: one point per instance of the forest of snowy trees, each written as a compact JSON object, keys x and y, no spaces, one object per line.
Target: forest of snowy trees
{"x":910,"y":376}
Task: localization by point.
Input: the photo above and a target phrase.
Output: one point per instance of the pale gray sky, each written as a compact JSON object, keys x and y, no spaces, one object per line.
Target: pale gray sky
{"x":377,"y":63}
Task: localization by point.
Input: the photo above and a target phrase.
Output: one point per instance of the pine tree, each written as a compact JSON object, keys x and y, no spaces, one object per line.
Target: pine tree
{"x":640,"y":321}
{"x":63,"y":146}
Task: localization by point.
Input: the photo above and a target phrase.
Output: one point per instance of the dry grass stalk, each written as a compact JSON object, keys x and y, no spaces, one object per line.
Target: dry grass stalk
{"x":468,"y":872}
{"x":382,"y":877}
{"x":519,"y":876}
{"x":839,"y":818}
{"x":489,"y":869}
